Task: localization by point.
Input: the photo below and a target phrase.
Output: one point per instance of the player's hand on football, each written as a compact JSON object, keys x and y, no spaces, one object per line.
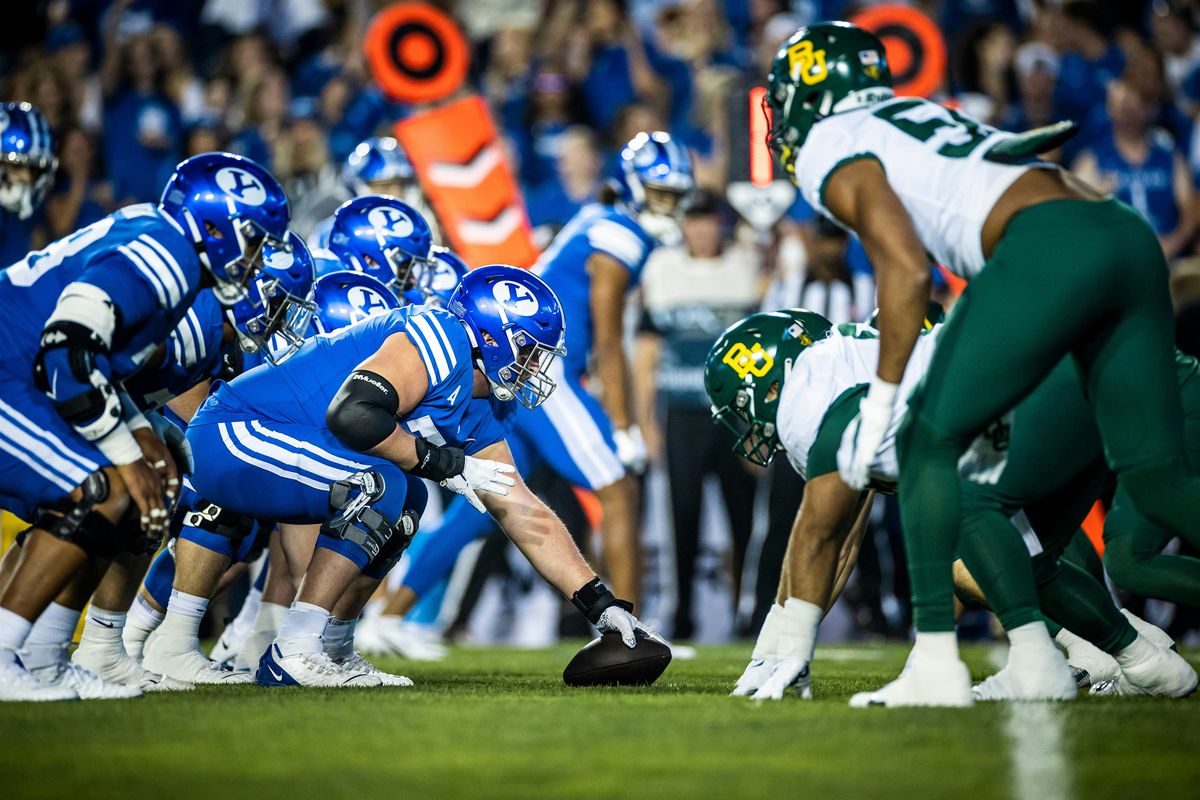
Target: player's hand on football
{"x":481,"y":475}
{"x":619,"y":619}
{"x":787,"y":673}
{"x":146,"y":490}
{"x":865,"y":434}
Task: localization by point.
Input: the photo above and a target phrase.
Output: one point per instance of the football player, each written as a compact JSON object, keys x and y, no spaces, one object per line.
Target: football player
{"x":790,"y":381}
{"x":27,"y":166}
{"x":84,"y":314}
{"x":1054,"y":268}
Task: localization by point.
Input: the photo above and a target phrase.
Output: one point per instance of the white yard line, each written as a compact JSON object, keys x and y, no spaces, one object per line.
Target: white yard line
{"x":1040,"y":767}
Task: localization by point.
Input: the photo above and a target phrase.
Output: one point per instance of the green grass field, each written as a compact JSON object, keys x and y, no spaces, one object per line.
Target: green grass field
{"x":499,"y":723}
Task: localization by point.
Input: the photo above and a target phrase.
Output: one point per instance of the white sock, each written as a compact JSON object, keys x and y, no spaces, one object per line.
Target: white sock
{"x":1136,"y":652}
{"x":1032,"y":637}
{"x":339,"y":638}
{"x":184,"y":614}
{"x":103,"y":625}
{"x":143,"y":620}
{"x":939,"y":645}
{"x":269,"y":617}
{"x":47,"y":641}
{"x":243,"y":623}
{"x":799,"y":637}
{"x":301,"y":629}
{"x":14,"y":629}
{"x":1067,"y":639}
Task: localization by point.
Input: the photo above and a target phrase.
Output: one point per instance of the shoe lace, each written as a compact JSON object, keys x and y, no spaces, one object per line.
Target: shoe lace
{"x":321,"y":663}
{"x":356,"y":661}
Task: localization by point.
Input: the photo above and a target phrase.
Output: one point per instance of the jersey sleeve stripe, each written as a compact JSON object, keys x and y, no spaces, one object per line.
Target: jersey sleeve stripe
{"x":147,"y":273}
{"x":49,"y":438}
{"x":619,"y":242}
{"x":193,"y":319}
{"x":418,"y":340}
{"x":421,"y":323}
{"x":166,"y":256}
{"x":175,"y":289}
{"x":441,"y":332}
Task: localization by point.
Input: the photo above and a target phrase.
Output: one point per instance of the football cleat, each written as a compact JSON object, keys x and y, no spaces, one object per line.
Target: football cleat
{"x":925,"y":681}
{"x":116,"y":666}
{"x":754,"y":676}
{"x":1029,"y":675}
{"x":85,"y":683}
{"x":407,"y":640}
{"x":790,"y":673}
{"x":308,"y":669}
{"x":179,"y":657}
{"x":1155,"y":634}
{"x":1162,"y":673}
{"x":229,"y":643}
{"x":1089,"y":664}
{"x":17,"y":685}
{"x":252,"y":650}
{"x":355,"y":663}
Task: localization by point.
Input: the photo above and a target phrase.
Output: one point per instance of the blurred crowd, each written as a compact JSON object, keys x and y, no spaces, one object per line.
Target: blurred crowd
{"x":130,"y":87}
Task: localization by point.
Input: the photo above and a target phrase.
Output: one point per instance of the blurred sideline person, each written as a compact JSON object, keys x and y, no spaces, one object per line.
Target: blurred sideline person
{"x":689,"y":295}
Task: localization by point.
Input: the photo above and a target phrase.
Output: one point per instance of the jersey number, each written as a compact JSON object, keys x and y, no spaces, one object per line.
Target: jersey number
{"x":424,"y":427}
{"x":967,"y":134}
{"x":33,"y":266}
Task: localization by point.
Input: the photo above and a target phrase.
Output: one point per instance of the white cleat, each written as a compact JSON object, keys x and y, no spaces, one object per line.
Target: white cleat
{"x":1164,"y":673}
{"x":406,"y":640}
{"x":1089,"y":664}
{"x":1029,"y":676}
{"x":754,"y":676}
{"x":229,"y":644}
{"x":85,"y":683}
{"x":1155,"y":634}
{"x":789,"y":673}
{"x":367,"y":637}
{"x":925,"y":681}
{"x":309,"y":669}
{"x":18,"y":685}
{"x":179,"y":657}
{"x":116,"y":666}
{"x":355,"y":663}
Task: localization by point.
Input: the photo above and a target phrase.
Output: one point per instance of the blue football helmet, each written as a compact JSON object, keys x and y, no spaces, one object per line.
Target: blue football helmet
{"x":516,"y":326}
{"x":656,"y":162}
{"x":232,"y":209}
{"x":325,"y":262}
{"x":374,"y":163}
{"x":25,"y":142}
{"x":344,"y":298}
{"x":275,"y":315}
{"x":432,"y":282}
{"x":381,"y":236}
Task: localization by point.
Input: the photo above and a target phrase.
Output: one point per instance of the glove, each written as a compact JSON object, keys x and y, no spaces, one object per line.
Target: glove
{"x":596,"y":602}
{"x":786,"y":673}
{"x":796,"y":638}
{"x":865,"y":434}
{"x":631,"y":449}
{"x":616,"y":618}
{"x":765,"y":655}
{"x":482,"y":475}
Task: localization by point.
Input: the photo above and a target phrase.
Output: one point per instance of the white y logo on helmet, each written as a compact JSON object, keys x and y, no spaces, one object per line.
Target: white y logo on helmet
{"x":515,"y":298}
{"x":390,"y":221}
{"x":364,"y":303}
{"x":242,"y":186}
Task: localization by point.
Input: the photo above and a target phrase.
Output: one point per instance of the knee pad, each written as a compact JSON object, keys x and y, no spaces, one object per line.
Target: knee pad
{"x":134,"y":540}
{"x":389,"y":555}
{"x":356,"y":520}
{"x":76,"y":521}
{"x":224,"y":524}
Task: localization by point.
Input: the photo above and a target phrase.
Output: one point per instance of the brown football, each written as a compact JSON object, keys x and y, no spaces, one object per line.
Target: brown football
{"x":608,"y":662}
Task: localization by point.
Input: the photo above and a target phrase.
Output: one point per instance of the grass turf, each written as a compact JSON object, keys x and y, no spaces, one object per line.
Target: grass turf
{"x":499,"y":723}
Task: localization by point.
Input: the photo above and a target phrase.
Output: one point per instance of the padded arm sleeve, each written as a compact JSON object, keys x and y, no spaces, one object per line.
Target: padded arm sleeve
{"x":363,"y":412}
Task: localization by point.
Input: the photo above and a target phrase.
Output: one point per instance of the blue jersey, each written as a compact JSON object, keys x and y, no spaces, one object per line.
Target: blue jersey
{"x":298,"y":391}
{"x":595,"y":229}
{"x":138,"y":256}
{"x":193,"y":354}
{"x":1149,"y":186}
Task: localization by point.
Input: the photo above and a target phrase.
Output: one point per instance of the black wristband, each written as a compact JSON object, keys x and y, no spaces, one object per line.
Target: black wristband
{"x":593,"y":597}
{"x":437,"y":463}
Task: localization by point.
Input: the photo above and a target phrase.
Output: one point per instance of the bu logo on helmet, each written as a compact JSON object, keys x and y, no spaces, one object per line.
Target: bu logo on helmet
{"x":391,"y":221}
{"x":515,"y":298}
{"x":364,"y":302}
{"x":807,"y":64}
{"x":244,"y":187}
{"x":749,"y":360}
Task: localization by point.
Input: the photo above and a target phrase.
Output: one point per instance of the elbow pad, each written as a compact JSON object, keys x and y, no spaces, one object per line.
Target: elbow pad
{"x":363,"y":412}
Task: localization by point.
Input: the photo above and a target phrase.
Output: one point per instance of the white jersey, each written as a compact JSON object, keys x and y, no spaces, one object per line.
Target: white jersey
{"x":822,"y":373}
{"x":934,"y":158}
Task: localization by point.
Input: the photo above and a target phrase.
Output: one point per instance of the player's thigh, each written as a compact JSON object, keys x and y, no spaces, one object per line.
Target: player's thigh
{"x":572,"y":434}
{"x":42,"y":458}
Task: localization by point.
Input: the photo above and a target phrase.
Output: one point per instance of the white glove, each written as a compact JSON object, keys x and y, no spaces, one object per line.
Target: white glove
{"x":631,"y":449}
{"x":615,"y":618}
{"x":765,"y":655}
{"x":865,"y":434}
{"x":482,"y":475}
{"x":787,"y":673}
{"x":797,"y":637}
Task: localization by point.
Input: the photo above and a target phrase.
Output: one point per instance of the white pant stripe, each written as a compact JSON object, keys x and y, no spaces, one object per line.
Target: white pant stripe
{"x":274,"y":469}
{"x":308,"y":446}
{"x":45,"y":472}
{"x":286,"y":457}
{"x":35,"y":452}
{"x":46,"y":436}
{"x":579,"y":433}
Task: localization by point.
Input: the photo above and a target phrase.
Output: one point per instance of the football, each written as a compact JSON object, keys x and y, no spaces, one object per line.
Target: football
{"x":608,"y":662}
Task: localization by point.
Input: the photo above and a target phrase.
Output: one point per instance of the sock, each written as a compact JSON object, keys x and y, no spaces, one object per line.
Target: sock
{"x":269,"y":617}
{"x":243,"y":623}
{"x":14,"y":629}
{"x":143,"y":620}
{"x":47,"y":641}
{"x":940,"y":644}
{"x":1031,"y":637}
{"x":1136,"y":652}
{"x":103,"y":628}
{"x":301,"y":629}
{"x":339,"y":638}
{"x":799,"y":637}
{"x":184,"y":614}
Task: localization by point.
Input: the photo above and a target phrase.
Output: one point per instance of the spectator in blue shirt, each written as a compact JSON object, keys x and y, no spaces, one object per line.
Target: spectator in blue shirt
{"x":80,"y":195}
{"x":575,"y":183}
{"x":614,"y":67}
{"x":1090,"y":63}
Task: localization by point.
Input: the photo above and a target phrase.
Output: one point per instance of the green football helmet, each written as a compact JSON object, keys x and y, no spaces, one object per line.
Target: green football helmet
{"x":821,"y":70}
{"x":745,"y":370}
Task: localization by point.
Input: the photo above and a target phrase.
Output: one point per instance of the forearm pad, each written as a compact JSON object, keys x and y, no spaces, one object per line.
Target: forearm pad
{"x":363,"y":412}
{"x":437,"y":463}
{"x":593,"y":597}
